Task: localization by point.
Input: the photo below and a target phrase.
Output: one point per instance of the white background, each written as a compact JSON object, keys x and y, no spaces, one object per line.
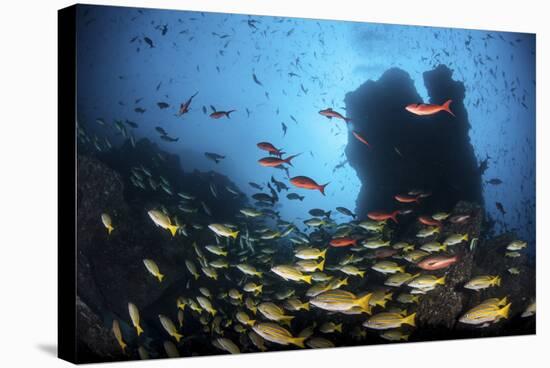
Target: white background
{"x":28,"y":181}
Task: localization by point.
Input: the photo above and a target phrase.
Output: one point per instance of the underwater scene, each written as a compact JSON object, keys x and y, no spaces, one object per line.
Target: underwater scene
{"x":255,"y":184}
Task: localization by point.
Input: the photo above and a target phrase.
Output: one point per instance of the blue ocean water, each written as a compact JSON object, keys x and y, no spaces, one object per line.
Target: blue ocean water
{"x":303,"y":66}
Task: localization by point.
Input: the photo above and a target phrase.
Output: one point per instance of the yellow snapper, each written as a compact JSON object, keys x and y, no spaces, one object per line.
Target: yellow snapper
{"x":388,"y":267}
{"x":153,"y":268}
{"x":483,"y":282}
{"x":277,"y":334}
{"x":249,"y":270}
{"x":118,"y":335}
{"x":290,"y":273}
{"x":352,"y":271}
{"x":516,"y":245}
{"x":426,"y":281}
{"x":340,"y":300}
{"x":310,"y":253}
{"x":273,"y":312}
{"x":427,"y":232}
{"x":217,"y":250}
{"x":310,"y":265}
{"x":399,"y":279}
{"x":394,"y":335}
{"x":169,"y":327}
{"x":225,"y":344}
{"x":134,"y":316}
{"x":386,"y":320}
{"x":456,"y":239}
{"x":162,"y":220}
{"x":330,"y":327}
{"x":207,"y":305}
{"x":107,"y":222}
{"x":295,"y":304}
{"x":434,"y":247}
{"x":223,"y":231}
{"x":243,"y":318}
{"x":485,"y":313}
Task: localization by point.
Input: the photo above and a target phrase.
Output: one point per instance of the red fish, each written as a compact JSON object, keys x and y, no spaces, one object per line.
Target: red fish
{"x":404,"y":198}
{"x":307,"y":183}
{"x":429,"y":221}
{"x":382,"y":216}
{"x":275,"y":161}
{"x":343,"y":242}
{"x":429,"y":109}
{"x":360,"y":138}
{"x":437,"y":262}
{"x":266,"y":146}
{"x":330,"y":113}
{"x":221,"y":114}
{"x":184,"y":107}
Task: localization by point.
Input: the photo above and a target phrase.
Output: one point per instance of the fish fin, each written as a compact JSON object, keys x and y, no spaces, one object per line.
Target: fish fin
{"x":234,"y":234}
{"x":402,"y":269}
{"x":441,"y":280}
{"x":123,"y":346}
{"x":443,"y":247}
{"x":465,"y":237}
{"x":338,"y":327}
{"x":345,"y":281}
{"x":139,"y":330}
{"x":307,"y":279}
{"x":173,"y":229}
{"x":160,"y":276}
{"x":322,"y":188}
{"x":409,"y":320}
{"x":505,"y":311}
{"x":110,"y":229}
{"x":287,"y":320}
{"x":322,"y":265}
{"x":306,"y":306}
{"x":323,"y":253}
{"x":363,"y":302}
{"x":260,"y":288}
{"x":361,"y":273}
{"x":259,"y":274}
{"x":251,"y":322}
{"x":447,"y":107}
{"x":177,"y":336}
{"x":298,"y":341}
{"x":498,"y":279}
{"x":224,"y":254}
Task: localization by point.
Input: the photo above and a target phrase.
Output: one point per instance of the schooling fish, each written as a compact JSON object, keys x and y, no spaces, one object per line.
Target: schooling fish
{"x":437,"y":262}
{"x":214,"y":156}
{"x":266,"y":146}
{"x":342,"y":242}
{"x":221,"y":114}
{"x":429,"y":109}
{"x":160,"y":219}
{"x":383,"y":216}
{"x":184,"y":107}
{"x":134,"y":316}
{"x":308,"y":183}
{"x":330,"y":113}
{"x":275,"y":161}
{"x":405,"y":198}
{"x":360,"y":138}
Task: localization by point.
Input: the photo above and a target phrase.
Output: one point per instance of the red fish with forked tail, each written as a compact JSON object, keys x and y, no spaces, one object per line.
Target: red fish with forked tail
{"x":437,"y":262}
{"x":429,"y":221}
{"x":276,"y":161}
{"x":360,"y":138}
{"x":383,"y":216}
{"x":343,"y":242}
{"x":405,"y":198}
{"x":184,"y":107}
{"x":266,"y":146}
{"x":330,"y":113}
{"x":429,"y":109}
{"x":307,"y":183}
{"x":221,"y":114}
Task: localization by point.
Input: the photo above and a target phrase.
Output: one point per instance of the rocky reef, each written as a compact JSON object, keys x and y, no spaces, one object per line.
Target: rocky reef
{"x":432,"y":153}
{"x":110,"y":270}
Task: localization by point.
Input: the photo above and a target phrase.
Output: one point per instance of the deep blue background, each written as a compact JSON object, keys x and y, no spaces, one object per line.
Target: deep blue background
{"x":216,"y":55}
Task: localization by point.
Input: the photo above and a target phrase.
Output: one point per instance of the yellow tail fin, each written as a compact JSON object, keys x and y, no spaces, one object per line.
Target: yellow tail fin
{"x":363,"y":302}
{"x":323,"y":253}
{"x":160,"y":276}
{"x":443,"y":248}
{"x":465,"y":237}
{"x":338,"y":327}
{"x":345,"y":282}
{"x":409,"y":320}
{"x":505,"y":311}
{"x":298,"y":341}
{"x":286,"y":320}
{"x":306,"y":279}
{"x":361,"y":273}
{"x":173,"y":229}
{"x":177,"y":336}
{"x":251,"y":322}
{"x":234,"y":234}
{"x":139,"y":330}
{"x":321,"y":265}
{"x":260,"y":288}
{"x":110,"y":229}
{"x":497,"y":281}
{"x":306,"y":306}
{"x":441,"y":281}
